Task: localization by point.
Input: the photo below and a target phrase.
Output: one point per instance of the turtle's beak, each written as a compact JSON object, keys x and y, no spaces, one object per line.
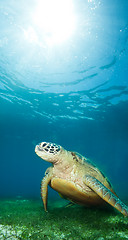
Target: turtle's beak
{"x":37,"y":148}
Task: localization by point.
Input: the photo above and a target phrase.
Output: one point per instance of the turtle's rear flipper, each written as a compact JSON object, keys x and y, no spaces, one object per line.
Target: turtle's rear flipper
{"x":105,"y":194}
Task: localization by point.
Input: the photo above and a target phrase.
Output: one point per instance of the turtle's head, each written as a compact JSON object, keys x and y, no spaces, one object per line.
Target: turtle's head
{"x":48,"y":151}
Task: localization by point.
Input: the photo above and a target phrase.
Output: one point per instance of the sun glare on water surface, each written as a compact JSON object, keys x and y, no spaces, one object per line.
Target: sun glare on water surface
{"x":55,"y":20}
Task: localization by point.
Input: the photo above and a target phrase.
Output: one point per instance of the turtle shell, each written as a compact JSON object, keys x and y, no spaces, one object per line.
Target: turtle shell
{"x":73,"y":193}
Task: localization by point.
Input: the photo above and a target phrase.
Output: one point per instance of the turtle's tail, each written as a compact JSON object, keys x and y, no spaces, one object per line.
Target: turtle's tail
{"x":106,"y":194}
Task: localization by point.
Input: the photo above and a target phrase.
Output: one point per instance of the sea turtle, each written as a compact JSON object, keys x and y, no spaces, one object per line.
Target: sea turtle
{"x":75,"y":178}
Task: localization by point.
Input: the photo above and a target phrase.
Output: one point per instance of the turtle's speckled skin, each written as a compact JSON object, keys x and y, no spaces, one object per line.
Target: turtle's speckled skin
{"x":75,"y":178}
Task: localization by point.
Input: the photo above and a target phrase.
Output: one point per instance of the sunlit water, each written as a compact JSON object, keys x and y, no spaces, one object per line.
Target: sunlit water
{"x":74,"y":92}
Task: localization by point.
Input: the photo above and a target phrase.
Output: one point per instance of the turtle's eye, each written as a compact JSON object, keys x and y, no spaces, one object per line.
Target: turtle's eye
{"x":44,"y":144}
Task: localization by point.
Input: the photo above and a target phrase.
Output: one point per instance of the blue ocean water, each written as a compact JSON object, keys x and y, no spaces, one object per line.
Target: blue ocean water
{"x":73,"y":93}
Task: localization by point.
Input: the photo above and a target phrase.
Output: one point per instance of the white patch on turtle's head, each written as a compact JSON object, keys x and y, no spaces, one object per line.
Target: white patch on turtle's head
{"x":48,"y":151}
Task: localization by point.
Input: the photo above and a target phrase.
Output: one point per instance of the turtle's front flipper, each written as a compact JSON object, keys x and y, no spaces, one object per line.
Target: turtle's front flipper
{"x":44,"y":186}
{"x":105,"y":194}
